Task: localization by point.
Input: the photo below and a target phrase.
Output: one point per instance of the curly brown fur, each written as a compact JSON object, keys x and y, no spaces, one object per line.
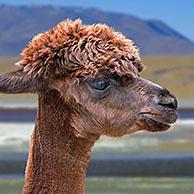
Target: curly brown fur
{"x":74,"y":49}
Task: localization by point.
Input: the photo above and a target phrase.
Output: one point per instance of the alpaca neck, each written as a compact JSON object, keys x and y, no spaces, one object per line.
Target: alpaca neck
{"x":58,"y":160}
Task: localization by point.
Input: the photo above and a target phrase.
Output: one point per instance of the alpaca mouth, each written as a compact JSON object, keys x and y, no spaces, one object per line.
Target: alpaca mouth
{"x":156,"y":122}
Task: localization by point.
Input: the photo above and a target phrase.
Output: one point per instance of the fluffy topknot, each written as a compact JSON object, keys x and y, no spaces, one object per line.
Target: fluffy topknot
{"x":74,"y":49}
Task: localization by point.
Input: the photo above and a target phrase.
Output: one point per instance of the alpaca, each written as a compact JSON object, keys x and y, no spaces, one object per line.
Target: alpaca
{"x":88,"y":84}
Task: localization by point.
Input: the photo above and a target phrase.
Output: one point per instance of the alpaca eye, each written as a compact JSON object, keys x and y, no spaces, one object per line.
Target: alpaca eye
{"x":100,"y":84}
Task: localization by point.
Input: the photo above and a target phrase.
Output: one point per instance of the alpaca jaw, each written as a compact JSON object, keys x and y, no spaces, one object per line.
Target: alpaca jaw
{"x":157,"y":122}
{"x":153,"y":122}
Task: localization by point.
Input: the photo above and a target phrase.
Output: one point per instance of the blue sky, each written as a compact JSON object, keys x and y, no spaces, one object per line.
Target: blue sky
{"x":178,"y":14}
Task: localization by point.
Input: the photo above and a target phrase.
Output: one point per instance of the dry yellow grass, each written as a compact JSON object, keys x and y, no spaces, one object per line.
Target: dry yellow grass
{"x":7,"y":65}
{"x":174,"y":72}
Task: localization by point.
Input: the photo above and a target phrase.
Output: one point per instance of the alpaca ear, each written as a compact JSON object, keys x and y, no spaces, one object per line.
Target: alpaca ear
{"x":19,"y":82}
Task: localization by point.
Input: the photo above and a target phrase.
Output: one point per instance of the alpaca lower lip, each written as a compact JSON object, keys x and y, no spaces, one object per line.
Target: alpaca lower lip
{"x":165,"y":118}
{"x":155,"y":122}
{"x":155,"y":126}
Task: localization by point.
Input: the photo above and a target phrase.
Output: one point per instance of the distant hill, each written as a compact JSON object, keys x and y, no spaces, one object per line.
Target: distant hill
{"x":18,"y":24}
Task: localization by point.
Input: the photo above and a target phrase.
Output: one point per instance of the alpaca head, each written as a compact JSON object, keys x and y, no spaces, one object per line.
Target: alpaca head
{"x":96,"y":71}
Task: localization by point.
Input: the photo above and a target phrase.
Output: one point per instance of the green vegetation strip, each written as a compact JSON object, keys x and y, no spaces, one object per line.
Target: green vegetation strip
{"x":120,"y":186}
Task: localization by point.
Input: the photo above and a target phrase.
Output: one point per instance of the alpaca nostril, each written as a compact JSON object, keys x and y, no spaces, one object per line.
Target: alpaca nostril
{"x":170,"y":102}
